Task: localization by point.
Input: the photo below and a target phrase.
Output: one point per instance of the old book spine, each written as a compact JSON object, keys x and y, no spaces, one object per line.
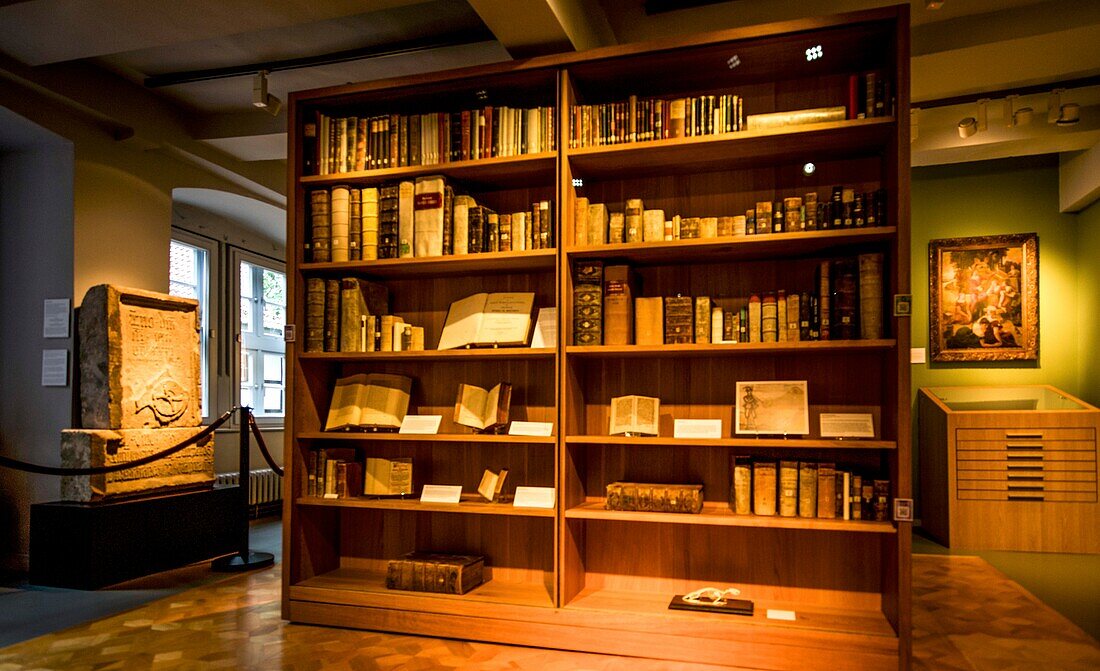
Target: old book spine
{"x":870,"y":296}
{"x":788,"y":488}
{"x":580,"y":222}
{"x":531,"y":230}
{"x":476,"y":229}
{"x":649,"y":321}
{"x":618,"y":306}
{"x":843,"y":482}
{"x":546,"y":224}
{"x":653,"y":225}
{"x":315,"y":314}
{"x":369,"y":238}
{"x":793,"y":214}
{"x":807,"y":489}
{"x":702,"y":319}
{"x":520,"y":231}
{"x":823,"y":305}
{"x":741,"y":492}
{"x":387,"y":222}
{"x":778,"y":222}
{"x":355,"y":225}
{"x":616,"y":228}
{"x":763,"y":487}
{"x":679,"y":320}
{"x":881,"y":502}
{"x":728,"y":226}
{"x":730,"y":331}
{"x":340,"y":222}
{"x":826,"y":490}
{"x":406,"y":224}
{"x":845,"y":306}
{"x":352,"y":307}
{"x":793,"y":318}
{"x":492,"y":230}
{"x":763,"y":216}
{"x":320,"y":226}
{"x":588,"y":303}
{"x":708,"y":227}
{"x":754,"y":314}
{"x":717,"y":324}
{"x":769,"y":319}
{"x":804,"y":316}
{"x":856,"y":501}
{"x":332,"y":315}
{"x":597,"y":224}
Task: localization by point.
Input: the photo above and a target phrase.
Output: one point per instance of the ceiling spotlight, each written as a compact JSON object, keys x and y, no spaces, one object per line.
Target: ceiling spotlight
{"x":814,"y":53}
{"x":261,"y":98}
{"x":1070,"y":114}
{"x":1022,"y":116}
{"x":808,"y":168}
{"x":578,"y":182}
{"x":968,"y":127}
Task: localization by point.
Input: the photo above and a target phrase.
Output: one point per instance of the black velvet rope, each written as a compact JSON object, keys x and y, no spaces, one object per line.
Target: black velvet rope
{"x":114,"y":468}
{"x":263,"y":445}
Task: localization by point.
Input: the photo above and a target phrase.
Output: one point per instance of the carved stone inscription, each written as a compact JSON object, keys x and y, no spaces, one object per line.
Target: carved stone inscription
{"x":193,"y":466}
{"x":139,"y":360}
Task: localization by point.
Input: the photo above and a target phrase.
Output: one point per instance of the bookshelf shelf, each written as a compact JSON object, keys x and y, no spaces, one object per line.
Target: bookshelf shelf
{"x":501,"y":171}
{"x":367,"y":587}
{"x":765,"y":246}
{"x":697,"y":154}
{"x":474,"y":438}
{"x":535,"y":260}
{"x":465,"y":507}
{"x":462,"y":355}
{"x":724,"y":350}
{"x":763,"y":442}
{"x":719,"y":514}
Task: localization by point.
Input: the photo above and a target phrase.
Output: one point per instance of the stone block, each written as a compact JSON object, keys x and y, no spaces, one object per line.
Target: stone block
{"x":83,"y":448}
{"x":139,"y":359}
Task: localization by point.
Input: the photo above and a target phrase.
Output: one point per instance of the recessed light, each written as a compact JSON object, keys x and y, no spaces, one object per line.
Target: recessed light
{"x":578,"y":182}
{"x":814,"y":53}
{"x":808,"y":168}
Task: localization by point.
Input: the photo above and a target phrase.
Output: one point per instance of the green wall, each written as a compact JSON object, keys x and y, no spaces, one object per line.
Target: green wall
{"x":1088,"y":306}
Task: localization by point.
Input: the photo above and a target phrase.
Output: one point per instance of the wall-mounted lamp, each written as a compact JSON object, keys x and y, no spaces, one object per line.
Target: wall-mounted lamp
{"x":261,"y":98}
{"x":968,"y":127}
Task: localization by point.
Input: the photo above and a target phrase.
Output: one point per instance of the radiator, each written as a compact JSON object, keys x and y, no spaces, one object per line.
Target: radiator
{"x":263,"y":485}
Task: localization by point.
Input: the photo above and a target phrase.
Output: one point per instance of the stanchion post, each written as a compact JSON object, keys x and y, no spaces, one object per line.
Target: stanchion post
{"x":245,"y":559}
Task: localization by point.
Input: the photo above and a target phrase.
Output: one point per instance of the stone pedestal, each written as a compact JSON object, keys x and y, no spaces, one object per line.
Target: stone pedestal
{"x":83,"y":448}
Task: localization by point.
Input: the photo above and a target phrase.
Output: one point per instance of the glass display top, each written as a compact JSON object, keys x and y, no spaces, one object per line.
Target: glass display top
{"x":1004,"y":398}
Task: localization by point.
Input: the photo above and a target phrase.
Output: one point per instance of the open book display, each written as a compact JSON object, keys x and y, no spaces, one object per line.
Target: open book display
{"x":489,"y":320}
{"x":374,"y":401}
{"x":492,"y":484}
{"x":481,"y":409}
{"x":634,"y":415}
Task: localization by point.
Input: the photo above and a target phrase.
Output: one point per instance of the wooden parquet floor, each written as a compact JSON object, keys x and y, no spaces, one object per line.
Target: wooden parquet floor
{"x":966,"y":616}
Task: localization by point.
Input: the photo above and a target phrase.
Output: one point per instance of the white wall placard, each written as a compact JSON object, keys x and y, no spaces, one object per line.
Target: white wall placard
{"x":847,"y":425}
{"x":531,"y":429}
{"x":697,"y":428}
{"x":534,"y":497}
{"x":55,"y":367}
{"x":55,"y":318}
{"x":441,"y":494}
{"x":421,"y":424}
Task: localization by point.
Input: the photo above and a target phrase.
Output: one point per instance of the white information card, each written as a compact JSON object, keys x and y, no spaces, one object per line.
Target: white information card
{"x":847,"y":425}
{"x":534,"y":497}
{"x":441,"y":494}
{"x":55,"y":367}
{"x":422,"y":424}
{"x":531,"y":429}
{"x":697,"y":428}
{"x":55,"y":318}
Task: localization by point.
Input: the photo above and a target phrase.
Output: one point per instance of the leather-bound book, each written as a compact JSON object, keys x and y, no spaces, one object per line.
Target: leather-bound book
{"x":679,"y":319}
{"x":618,"y":305}
{"x":588,"y":302}
{"x":320,"y":226}
{"x":649,"y":321}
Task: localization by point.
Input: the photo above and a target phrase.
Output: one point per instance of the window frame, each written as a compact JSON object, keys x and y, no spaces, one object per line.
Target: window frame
{"x":209,"y":312}
{"x":236,"y":257}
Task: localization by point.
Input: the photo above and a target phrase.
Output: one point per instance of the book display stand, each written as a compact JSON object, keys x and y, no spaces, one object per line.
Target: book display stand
{"x":579,"y":575}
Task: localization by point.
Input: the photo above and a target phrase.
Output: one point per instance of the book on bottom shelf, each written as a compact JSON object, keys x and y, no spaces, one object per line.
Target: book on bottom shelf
{"x":658,"y":498}
{"x":438,"y":573}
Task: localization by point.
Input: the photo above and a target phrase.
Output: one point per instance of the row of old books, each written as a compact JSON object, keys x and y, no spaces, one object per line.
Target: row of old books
{"x":806,"y":489}
{"x":337,"y":473}
{"x":594,"y":224}
{"x":352,"y":315}
{"x":641,"y":119}
{"x":335,"y":145}
{"x":418,"y":219}
{"x":845,"y":303}
{"x":657,"y":498}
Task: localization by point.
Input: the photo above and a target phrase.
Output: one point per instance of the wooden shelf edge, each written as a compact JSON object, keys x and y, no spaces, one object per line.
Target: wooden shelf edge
{"x":414,"y":505}
{"x":469,"y":166}
{"x":426,"y":438}
{"x":715,"y":514}
{"x":530,"y":259}
{"x":746,"y":242}
{"x":725,"y":349}
{"x":435,"y":354}
{"x":763,"y":442}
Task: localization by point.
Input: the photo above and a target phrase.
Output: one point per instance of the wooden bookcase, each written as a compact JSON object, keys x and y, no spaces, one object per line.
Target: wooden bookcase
{"x":579,"y":576}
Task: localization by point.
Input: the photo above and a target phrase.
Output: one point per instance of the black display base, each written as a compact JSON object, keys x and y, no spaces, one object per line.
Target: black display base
{"x":92,"y":545}
{"x":235,"y":563}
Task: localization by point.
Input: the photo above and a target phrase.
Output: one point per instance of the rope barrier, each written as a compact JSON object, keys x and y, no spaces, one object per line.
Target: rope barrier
{"x":114,"y":468}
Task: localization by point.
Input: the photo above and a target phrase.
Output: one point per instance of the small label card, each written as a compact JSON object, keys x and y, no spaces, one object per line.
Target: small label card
{"x":847,"y":425}
{"x":441,"y":494}
{"x":546,"y":328}
{"x":531,"y":429}
{"x":55,"y":367}
{"x":776,"y":614}
{"x":422,"y":424}
{"x":534,"y":497}
{"x":55,"y":318}
{"x":697,"y":428}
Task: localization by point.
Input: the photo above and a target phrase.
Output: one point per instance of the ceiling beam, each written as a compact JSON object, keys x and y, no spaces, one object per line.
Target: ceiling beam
{"x":538,"y":27}
{"x":1079,"y":180}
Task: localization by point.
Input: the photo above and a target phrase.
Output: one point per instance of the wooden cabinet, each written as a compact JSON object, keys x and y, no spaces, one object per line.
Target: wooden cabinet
{"x":579,"y":576}
{"x":1009,"y":468}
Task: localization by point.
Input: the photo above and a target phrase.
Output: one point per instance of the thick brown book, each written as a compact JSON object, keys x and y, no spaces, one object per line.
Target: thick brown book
{"x":340,"y":207}
{"x":649,"y":321}
{"x":616,"y":228}
{"x":588,"y":302}
{"x":881,"y":503}
{"x":349,"y":479}
{"x":679,"y":319}
{"x":332,"y":315}
{"x":632,"y":220}
{"x":438,"y":573}
{"x":788,"y":488}
{"x":580,"y":222}
{"x":387,"y":222}
{"x":320,"y":226}
{"x":794,"y":331}
{"x":824,"y":328}
{"x":369,"y":201}
{"x":658,"y":498}
{"x":870,"y":296}
{"x":597,"y":224}
{"x":855,"y":498}
{"x":741,"y":487}
{"x":618,"y":305}
{"x":702,"y":319}
{"x":355,"y":225}
{"x":826,"y":490}
{"x":359,"y":298}
{"x":807,"y":489}
{"x":764,"y":483}
{"x":315,"y":314}
{"x":845,"y":306}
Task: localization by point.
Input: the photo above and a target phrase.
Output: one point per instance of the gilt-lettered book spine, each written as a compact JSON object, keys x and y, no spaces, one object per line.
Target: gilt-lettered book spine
{"x":679,"y":320}
{"x":355,"y":225}
{"x":476,"y":229}
{"x":315,"y":314}
{"x":788,"y":488}
{"x":387,"y":222}
{"x":845,"y":308}
{"x":870,"y":296}
{"x":824,"y":329}
{"x":588,"y":303}
{"x":618,"y":306}
{"x":332,"y":315}
{"x":826,"y":490}
{"x":320,"y":226}
{"x":369,"y":199}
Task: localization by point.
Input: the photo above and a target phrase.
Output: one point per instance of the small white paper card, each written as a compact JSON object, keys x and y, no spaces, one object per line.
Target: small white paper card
{"x":534,"y":497}
{"x":55,"y":367}
{"x":697,"y":428}
{"x":441,"y":494}
{"x":847,"y":425}
{"x":775,"y":614}
{"x":55,"y":318}
{"x":546,"y":328}
{"x":422,"y":424}
{"x":531,"y":429}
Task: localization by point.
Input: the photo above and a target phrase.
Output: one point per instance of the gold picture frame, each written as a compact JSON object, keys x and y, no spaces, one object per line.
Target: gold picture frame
{"x":983,"y":298}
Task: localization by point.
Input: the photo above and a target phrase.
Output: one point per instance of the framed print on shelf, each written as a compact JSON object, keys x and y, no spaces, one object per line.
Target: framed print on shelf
{"x":772,"y":407}
{"x":983,"y":298}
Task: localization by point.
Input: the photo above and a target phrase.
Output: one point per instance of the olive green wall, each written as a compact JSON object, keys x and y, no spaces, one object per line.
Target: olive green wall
{"x":1088,"y":305}
{"x":1018,"y":195}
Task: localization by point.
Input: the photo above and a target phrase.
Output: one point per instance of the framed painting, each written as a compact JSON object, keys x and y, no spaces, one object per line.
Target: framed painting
{"x":983,"y":298}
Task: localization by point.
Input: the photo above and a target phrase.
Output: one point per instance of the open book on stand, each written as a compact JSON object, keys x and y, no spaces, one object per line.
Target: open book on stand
{"x":369,"y":401}
{"x":481,"y":409}
{"x":489,"y":320}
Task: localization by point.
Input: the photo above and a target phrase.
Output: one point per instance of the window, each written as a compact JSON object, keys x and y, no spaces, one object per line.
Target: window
{"x":262,"y":317}
{"x":190,"y":262}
